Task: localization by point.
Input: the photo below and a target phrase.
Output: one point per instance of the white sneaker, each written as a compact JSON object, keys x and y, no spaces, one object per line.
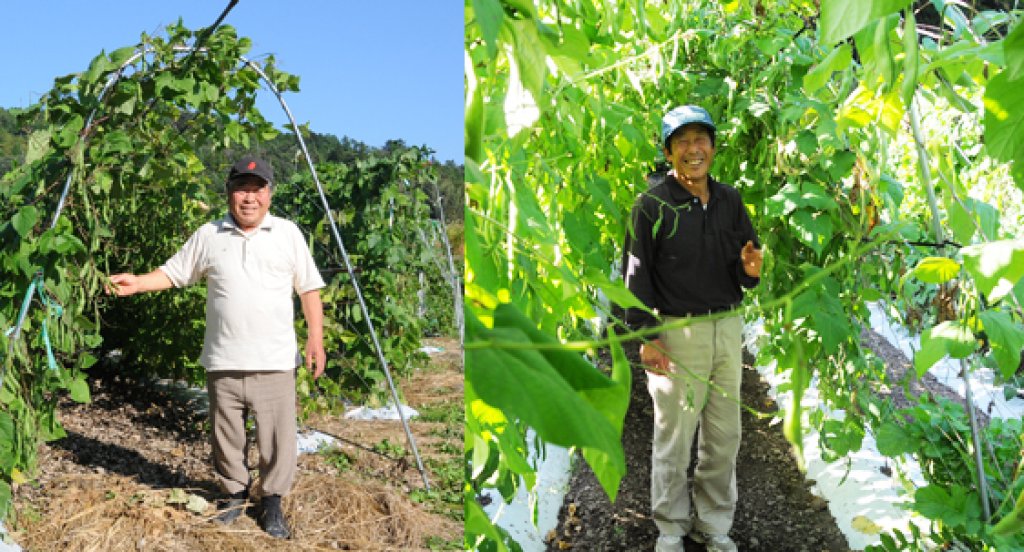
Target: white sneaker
{"x":714,"y":543}
{"x":669,"y":543}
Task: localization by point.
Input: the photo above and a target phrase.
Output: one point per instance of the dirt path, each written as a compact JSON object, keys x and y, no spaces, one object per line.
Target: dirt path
{"x":109,"y":484}
{"x":776,"y":511}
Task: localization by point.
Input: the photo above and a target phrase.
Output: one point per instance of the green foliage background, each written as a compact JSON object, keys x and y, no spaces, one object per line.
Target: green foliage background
{"x":852,"y":133}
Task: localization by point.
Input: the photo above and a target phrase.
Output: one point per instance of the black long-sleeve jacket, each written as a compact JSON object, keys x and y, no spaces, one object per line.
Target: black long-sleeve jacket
{"x":682,"y":259}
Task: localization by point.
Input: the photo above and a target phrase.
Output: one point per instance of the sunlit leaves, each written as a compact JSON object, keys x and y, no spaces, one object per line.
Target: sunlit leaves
{"x":837,"y":60}
{"x":1013,"y":48}
{"x":489,"y":17}
{"x":911,"y":58}
{"x":1004,"y":120}
{"x":1004,"y":94}
{"x":813,"y":228}
{"x":936,"y":270}
{"x":842,"y":18}
{"x":995,"y":266}
{"x":530,"y":56}
{"x":947,"y":338}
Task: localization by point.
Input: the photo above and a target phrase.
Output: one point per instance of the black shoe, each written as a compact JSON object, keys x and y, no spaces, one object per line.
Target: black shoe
{"x":272,"y":518}
{"x":229,"y":509}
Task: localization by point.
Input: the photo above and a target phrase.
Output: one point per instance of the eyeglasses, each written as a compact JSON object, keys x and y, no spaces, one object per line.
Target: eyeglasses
{"x":243,"y":190}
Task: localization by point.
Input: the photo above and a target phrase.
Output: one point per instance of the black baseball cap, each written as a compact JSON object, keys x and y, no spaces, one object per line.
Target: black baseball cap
{"x":254,"y":166}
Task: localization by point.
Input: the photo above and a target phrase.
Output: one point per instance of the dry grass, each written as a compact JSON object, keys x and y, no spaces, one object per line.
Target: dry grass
{"x":115,"y":513}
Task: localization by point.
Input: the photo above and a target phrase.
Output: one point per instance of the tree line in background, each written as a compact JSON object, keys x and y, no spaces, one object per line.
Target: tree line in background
{"x":283,"y":152}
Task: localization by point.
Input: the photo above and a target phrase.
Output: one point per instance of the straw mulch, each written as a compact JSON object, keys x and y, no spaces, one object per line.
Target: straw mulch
{"x":115,"y":513}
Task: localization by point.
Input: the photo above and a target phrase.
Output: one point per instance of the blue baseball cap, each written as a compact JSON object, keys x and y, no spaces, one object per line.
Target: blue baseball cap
{"x":682,"y":116}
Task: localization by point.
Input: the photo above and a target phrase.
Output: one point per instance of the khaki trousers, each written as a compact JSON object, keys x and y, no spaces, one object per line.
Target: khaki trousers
{"x":702,"y":351}
{"x":270,"y":396}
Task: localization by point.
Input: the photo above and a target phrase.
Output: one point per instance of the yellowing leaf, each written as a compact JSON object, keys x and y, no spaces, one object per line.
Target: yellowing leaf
{"x":17,"y":477}
{"x":936,"y":270}
{"x":865,"y":525}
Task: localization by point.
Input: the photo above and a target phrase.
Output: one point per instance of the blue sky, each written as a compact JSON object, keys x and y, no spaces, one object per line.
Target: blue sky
{"x":372,"y":71}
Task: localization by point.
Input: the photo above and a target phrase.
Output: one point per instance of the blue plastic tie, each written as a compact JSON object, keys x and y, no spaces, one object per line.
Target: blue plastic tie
{"x":38,"y":284}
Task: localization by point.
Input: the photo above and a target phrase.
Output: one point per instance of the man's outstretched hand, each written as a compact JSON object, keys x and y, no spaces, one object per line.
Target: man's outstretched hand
{"x":123,"y":285}
{"x":751,"y":257}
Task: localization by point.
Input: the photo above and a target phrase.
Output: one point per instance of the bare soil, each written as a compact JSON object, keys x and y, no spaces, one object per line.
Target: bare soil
{"x":109,"y":485}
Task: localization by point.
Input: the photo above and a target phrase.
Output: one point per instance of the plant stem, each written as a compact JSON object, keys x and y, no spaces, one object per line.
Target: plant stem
{"x":926,"y":181}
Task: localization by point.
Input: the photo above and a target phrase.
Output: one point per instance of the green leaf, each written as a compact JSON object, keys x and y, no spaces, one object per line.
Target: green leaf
{"x":840,"y":166}
{"x":1013,"y":49}
{"x":489,"y":16}
{"x":7,"y":440}
{"x":911,"y":58}
{"x":936,"y":270}
{"x":121,"y":55}
{"x":833,"y":327}
{"x":68,"y":133}
{"x":893,"y":440}
{"x":477,"y":523}
{"x":616,"y":291}
{"x":117,"y":141}
{"x":875,"y":51}
{"x":79,"y":390}
{"x":995,"y":266}
{"x":1004,"y":119}
{"x":25,"y":219}
{"x":481,"y":270}
{"x":99,"y":65}
{"x":813,"y":229}
{"x":556,"y":392}
{"x":838,"y":59}
{"x":530,"y":57}
{"x":947,"y":338}
{"x":933,"y":502}
{"x":1006,"y":338}
{"x":843,"y":18}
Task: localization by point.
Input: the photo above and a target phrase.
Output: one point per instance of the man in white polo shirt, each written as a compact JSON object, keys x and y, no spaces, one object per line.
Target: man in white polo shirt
{"x":252,"y":262}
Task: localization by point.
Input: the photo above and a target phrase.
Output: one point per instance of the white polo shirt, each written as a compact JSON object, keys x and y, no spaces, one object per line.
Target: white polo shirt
{"x":250,"y":279}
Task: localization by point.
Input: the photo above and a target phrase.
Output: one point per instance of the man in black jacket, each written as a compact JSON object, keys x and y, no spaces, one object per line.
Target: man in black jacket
{"x":689,"y":253}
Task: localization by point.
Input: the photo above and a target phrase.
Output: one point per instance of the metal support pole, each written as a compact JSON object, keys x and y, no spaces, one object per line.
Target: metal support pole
{"x":973,"y":417}
{"x":348,"y":266}
{"x":456,"y":285}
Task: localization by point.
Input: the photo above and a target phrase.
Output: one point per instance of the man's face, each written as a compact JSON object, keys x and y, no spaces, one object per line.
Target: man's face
{"x":690,"y":152}
{"x":248,"y":201}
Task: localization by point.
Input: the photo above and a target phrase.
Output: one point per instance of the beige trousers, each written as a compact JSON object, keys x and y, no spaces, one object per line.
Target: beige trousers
{"x":270,"y":396}
{"x":702,"y":351}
